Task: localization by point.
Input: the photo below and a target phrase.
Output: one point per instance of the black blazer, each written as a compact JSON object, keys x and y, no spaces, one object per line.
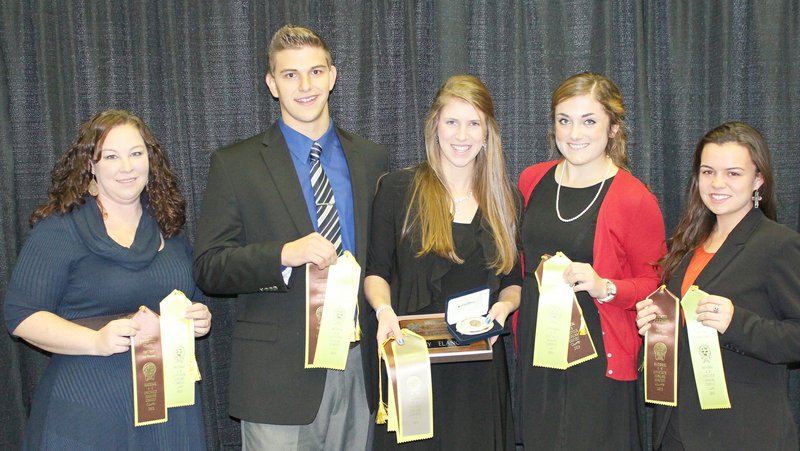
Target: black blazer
{"x":252,"y":206}
{"x":758,"y":269}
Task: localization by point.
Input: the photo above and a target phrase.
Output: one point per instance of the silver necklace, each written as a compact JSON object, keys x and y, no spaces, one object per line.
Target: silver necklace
{"x":558,"y":193}
{"x":462,"y":199}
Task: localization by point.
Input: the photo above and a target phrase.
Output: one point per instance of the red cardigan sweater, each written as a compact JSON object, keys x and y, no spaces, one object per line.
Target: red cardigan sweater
{"x":628,"y":241}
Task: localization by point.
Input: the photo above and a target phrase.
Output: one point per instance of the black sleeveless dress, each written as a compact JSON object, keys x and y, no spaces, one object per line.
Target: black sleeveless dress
{"x":578,"y":408}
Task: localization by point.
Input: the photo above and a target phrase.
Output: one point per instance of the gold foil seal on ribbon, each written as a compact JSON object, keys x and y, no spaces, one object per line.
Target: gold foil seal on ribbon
{"x":709,"y":374}
{"x":660,"y":350}
{"x":410,"y":392}
{"x":177,"y":346}
{"x":149,"y":406}
{"x":331,"y":303}
{"x":561,"y":338}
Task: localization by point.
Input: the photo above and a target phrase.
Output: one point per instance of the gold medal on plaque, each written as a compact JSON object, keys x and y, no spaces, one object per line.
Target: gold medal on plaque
{"x":442,"y":346}
{"x":473,"y":326}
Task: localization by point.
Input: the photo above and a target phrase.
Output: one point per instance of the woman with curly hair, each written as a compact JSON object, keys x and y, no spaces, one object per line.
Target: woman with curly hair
{"x":106,"y":242}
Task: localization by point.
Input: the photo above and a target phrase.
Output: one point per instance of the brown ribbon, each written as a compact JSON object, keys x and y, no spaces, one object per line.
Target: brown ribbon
{"x":580,"y":342}
{"x":660,"y":356}
{"x":317,"y":284}
{"x":148,"y":370}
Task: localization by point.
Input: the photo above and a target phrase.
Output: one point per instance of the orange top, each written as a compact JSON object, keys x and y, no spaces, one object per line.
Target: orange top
{"x":699,"y":261}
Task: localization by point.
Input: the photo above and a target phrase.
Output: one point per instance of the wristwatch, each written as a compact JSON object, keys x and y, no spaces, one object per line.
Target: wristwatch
{"x":611,"y":289}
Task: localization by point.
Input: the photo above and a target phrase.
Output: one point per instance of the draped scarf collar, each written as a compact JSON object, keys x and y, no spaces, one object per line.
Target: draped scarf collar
{"x":88,"y":222}
{"x":430,"y":269}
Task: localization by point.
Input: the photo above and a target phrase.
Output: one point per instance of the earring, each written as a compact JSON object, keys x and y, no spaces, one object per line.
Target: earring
{"x":756,"y":198}
{"x":93,"y":189}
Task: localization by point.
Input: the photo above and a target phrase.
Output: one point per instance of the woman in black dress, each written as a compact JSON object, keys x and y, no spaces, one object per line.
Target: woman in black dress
{"x":588,"y":206}
{"x":443,"y":227}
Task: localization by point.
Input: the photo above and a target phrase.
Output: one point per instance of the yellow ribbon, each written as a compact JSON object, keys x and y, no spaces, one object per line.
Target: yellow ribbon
{"x":709,"y":374}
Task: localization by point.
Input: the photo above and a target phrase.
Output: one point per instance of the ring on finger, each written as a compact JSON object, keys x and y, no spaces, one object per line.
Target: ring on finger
{"x":716,"y":308}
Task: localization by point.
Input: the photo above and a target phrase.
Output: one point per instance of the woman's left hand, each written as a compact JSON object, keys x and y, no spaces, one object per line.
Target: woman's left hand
{"x":582,"y":277}
{"x":201,"y":316}
{"x":715,"y":311}
{"x":499,"y":312}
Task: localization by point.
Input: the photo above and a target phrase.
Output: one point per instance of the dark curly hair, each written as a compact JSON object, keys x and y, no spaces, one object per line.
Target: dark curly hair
{"x":71,"y":174}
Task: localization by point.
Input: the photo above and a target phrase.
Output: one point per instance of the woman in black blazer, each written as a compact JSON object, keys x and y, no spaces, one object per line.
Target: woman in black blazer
{"x":729,"y":245}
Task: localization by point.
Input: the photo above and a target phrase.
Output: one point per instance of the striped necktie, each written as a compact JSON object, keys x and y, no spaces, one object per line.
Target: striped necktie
{"x":327,"y":216}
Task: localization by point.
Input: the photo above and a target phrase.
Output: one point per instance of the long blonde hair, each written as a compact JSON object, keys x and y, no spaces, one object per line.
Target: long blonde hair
{"x":430,"y":205}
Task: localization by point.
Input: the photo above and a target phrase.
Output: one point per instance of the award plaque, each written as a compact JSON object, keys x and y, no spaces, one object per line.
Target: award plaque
{"x":442,"y":347}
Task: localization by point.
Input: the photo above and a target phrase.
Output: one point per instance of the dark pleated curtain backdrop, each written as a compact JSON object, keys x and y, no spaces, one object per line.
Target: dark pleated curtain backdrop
{"x":194,"y":70}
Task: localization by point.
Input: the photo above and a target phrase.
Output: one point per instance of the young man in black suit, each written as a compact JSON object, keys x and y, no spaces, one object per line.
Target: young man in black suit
{"x":258,"y":230}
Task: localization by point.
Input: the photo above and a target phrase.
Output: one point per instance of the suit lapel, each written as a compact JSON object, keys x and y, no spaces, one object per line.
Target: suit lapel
{"x":732,"y":246}
{"x":361,"y":192}
{"x":281,"y":168}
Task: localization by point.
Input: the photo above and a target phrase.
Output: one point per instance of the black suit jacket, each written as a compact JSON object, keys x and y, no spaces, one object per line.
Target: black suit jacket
{"x":253,"y":205}
{"x":758,"y":269}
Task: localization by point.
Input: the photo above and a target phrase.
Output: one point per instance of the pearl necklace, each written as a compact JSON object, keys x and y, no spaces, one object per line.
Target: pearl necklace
{"x":558,"y":193}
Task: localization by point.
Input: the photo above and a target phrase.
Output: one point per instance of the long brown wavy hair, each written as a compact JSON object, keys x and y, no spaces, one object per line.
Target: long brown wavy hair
{"x":698,"y":221}
{"x":430,"y":206}
{"x":71,"y":174}
{"x":602,"y":89}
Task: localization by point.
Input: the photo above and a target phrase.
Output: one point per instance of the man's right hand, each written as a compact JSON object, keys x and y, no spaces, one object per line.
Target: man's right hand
{"x":312,"y":248}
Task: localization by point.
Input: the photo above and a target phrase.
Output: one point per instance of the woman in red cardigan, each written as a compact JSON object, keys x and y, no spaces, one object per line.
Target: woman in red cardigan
{"x":588,"y":206}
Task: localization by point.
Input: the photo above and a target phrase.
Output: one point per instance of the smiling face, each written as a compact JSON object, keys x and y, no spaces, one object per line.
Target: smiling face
{"x":301,"y":79}
{"x":727,"y":180}
{"x":123,"y":168}
{"x":461,"y":134}
{"x":582,"y":129}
